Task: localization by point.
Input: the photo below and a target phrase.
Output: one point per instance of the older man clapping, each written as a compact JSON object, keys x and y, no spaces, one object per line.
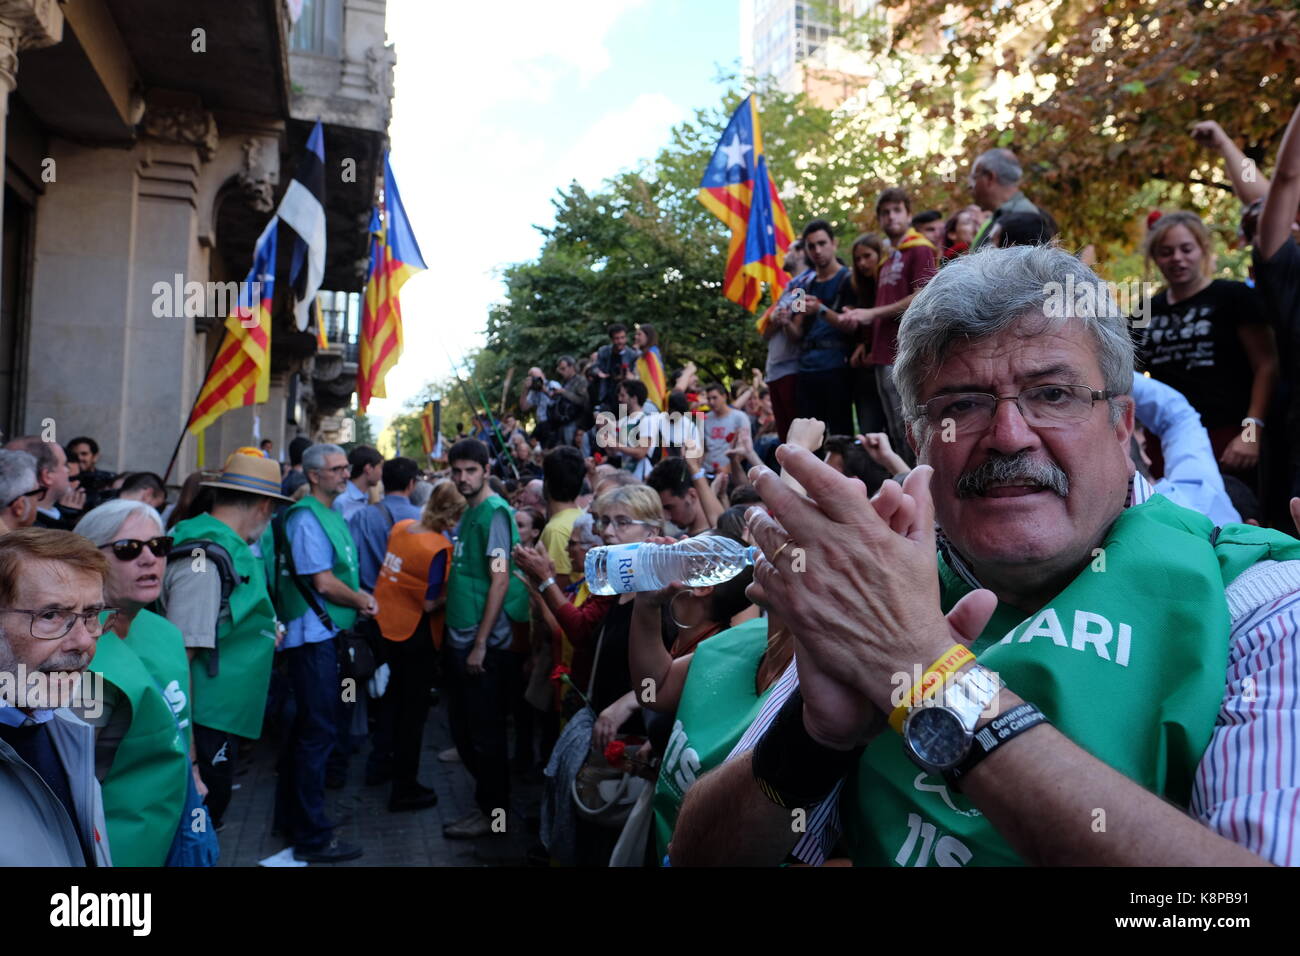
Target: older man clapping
{"x":1055,"y":652}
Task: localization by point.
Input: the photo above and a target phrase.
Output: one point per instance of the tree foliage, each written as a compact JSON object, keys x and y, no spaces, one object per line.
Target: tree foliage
{"x":1097,"y":97}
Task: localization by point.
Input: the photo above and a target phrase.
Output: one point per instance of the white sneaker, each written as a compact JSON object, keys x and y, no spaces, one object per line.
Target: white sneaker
{"x":450,"y":755}
{"x":283,"y":858}
{"x":475,"y":825}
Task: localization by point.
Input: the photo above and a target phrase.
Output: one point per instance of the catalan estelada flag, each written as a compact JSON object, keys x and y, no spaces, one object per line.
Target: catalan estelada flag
{"x":394,"y":258}
{"x":738,"y":190}
{"x":426,"y":428}
{"x":650,"y":369}
{"x":240,"y":373}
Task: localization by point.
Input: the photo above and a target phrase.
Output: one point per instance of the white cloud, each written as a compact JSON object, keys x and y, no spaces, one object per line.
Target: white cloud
{"x":621,"y":138}
{"x":473,"y":183}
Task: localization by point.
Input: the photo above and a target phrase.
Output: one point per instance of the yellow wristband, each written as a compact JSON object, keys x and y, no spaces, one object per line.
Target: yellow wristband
{"x":949,"y":662}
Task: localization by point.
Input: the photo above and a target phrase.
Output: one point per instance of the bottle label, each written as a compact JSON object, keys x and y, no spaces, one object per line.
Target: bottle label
{"x":626,"y":568}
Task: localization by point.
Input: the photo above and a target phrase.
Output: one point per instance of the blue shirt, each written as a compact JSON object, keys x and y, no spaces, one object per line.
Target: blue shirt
{"x":13,"y":717}
{"x":350,"y":502}
{"x":370,"y":530}
{"x":1192,"y":477}
{"x":825,"y":347}
{"x":312,"y":552}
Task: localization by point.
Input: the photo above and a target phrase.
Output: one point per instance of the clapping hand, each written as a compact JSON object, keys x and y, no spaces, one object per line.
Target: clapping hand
{"x":857,"y":584}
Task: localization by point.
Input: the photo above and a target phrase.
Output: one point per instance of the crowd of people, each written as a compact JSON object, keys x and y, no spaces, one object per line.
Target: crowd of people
{"x":979,"y":522}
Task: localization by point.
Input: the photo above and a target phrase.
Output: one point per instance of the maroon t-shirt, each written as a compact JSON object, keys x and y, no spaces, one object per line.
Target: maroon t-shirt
{"x":904,"y":272}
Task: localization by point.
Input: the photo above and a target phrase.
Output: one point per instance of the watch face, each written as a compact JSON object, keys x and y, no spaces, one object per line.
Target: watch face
{"x":936,"y":737}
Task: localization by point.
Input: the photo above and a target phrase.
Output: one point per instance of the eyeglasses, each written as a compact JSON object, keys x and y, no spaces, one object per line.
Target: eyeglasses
{"x":1043,"y":406}
{"x":622,"y":522}
{"x":26,"y":494}
{"x":128,"y":549}
{"x":50,"y":624}
{"x":337,"y":469}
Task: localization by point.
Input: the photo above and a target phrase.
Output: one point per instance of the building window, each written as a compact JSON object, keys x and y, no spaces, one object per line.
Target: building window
{"x":341,"y":312}
{"x":319,"y":28}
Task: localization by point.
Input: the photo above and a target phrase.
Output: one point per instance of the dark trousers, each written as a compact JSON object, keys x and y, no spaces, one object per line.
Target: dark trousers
{"x":400,"y":714}
{"x":866,"y":402}
{"x":827,"y":396}
{"x":477,"y":705}
{"x":784,"y":392}
{"x":216,"y":752}
{"x":300,"y":788}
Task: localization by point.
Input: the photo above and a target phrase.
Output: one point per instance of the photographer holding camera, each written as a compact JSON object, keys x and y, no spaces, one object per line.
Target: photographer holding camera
{"x":83,"y":452}
{"x":559,"y":405}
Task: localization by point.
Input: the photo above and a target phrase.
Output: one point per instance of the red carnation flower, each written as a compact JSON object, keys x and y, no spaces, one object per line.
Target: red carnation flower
{"x":560,"y":672}
{"x":614,"y":751}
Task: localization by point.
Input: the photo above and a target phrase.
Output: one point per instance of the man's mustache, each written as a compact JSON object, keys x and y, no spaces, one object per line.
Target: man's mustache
{"x":1020,"y":467}
{"x":71,"y":661}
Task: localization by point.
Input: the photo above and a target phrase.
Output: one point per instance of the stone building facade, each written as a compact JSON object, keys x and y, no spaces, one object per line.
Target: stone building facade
{"x":147,"y":143}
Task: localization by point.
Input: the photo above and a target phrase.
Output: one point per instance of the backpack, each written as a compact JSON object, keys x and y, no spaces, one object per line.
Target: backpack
{"x":225,"y":566}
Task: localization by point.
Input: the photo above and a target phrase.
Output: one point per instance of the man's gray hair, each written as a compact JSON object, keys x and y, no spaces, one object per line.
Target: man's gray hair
{"x":584,"y":525}
{"x":313,"y":459}
{"x":1002,"y":163}
{"x":102,"y":524}
{"x":17,"y":474}
{"x":987,"y":292}
{"x":421,"y":492}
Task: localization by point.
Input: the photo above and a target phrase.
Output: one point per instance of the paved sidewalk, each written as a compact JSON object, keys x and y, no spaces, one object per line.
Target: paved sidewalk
{"x":390,"y":839}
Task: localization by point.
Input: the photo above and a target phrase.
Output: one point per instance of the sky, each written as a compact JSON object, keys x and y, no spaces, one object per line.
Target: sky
{"x":493,"y":114}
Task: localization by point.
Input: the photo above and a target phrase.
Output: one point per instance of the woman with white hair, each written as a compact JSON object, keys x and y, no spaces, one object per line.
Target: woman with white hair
{"x":142,"y":730}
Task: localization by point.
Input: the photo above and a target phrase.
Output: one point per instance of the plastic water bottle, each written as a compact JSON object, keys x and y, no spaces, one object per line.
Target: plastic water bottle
{"x":696,"y":562}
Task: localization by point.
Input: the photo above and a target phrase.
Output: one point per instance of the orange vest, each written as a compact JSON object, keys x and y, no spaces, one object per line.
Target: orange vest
{"x":404,"y":578}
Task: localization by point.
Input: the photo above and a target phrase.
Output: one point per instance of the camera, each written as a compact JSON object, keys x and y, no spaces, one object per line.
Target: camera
{"x":91,"y":481}
{"x":536,"y":384}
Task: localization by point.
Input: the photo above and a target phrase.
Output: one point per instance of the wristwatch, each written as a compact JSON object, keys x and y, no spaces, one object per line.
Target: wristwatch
{"x":937,"y":733}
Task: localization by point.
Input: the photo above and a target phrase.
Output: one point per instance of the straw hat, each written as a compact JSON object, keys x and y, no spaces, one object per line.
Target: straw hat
{"x":253,"y":473}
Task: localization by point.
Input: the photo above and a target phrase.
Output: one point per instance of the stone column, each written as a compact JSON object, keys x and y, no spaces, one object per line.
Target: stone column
{"x":24,"y":24}
{"x":120,"y":223}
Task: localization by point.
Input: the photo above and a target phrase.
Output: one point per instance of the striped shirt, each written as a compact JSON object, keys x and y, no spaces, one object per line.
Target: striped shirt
{"x":1247,"y":785}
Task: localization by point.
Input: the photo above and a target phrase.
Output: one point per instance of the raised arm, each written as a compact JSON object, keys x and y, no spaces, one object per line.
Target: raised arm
{"x":1248,"y":186}
{"x":649,"y":661}
{"x":1279,"y":210}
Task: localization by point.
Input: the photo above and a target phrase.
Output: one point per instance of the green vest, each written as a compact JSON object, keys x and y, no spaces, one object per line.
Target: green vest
{"x":292,"y":604}
{"x":146,"y":787}
{"x":235,"y":699}
{"x":1128,"y":662}
{"x":717,"y":706}
{"x":160,"y":645}
{"x":471,"y":569}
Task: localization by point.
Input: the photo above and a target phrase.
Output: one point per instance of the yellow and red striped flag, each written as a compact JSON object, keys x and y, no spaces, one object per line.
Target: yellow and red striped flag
{"x":322,"y":340}
{"x":394,"y":258}
{"x":241,"y":372}
{"x":426,"y":428}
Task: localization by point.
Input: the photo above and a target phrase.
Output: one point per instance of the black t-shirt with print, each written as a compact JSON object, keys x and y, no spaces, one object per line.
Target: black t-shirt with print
{"x":1194,"y":346}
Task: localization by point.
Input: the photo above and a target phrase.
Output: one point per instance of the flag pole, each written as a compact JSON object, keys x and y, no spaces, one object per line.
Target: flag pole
{"x":510,"y":459}
{"x":194,"y":404}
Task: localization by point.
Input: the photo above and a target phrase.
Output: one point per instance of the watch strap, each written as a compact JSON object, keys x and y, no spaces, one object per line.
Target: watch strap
{"x":969,"y":694}
{"x":1000,"y":730}
{"x":931,"y":681}
{"x":793,"y":770}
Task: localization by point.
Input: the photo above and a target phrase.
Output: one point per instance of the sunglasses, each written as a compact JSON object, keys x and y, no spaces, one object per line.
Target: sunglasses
{"x":128,"y":549}
{"x":25,"y":494}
